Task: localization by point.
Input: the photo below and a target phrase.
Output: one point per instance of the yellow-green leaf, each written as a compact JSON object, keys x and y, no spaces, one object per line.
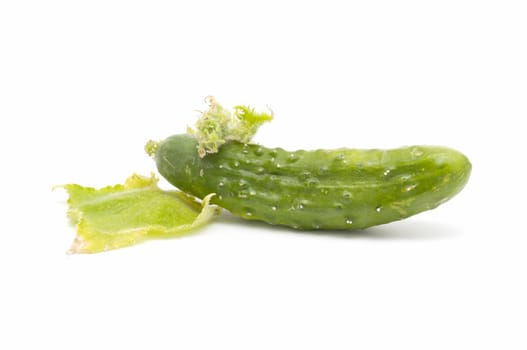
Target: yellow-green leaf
{"x":122,"y":215}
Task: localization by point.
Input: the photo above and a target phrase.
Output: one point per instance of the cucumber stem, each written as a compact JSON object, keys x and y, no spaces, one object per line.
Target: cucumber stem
{"x":151,"y":148}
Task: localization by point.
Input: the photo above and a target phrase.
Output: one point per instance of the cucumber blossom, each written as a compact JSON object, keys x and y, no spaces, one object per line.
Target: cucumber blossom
{"x":319,"y":189}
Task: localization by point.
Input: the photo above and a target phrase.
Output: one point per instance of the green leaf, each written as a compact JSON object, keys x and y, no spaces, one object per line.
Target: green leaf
{"x":122,"y":215}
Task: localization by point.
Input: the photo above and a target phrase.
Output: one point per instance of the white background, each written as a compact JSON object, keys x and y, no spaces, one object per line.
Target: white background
{"x":84,"y":84}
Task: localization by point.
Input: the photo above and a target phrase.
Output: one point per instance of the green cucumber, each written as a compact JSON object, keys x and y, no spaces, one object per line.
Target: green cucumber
{"x":319,"y":189}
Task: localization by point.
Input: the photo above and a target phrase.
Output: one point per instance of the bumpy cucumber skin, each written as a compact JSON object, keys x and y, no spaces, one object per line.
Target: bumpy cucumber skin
{"x":320,"y":189}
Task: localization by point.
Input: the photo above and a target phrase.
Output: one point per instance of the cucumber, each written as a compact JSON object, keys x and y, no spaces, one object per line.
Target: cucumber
{"x":319,"y":189}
